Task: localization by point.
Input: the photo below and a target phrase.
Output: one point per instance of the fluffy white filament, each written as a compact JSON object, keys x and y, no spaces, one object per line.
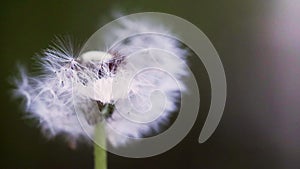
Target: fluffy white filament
{"x":68,"y":94}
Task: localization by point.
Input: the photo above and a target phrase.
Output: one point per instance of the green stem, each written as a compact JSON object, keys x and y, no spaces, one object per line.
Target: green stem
{"x":100,"y":156}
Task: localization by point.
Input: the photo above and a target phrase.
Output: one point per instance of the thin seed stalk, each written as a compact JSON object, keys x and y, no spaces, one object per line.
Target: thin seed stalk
{"x":100,"y":156}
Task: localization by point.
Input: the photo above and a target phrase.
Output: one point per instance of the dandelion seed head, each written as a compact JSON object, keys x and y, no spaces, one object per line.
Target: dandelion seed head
{"x":70,"y":92}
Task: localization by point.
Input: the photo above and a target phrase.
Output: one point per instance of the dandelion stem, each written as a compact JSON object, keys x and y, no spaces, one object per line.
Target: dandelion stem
{"x":99,"y":152}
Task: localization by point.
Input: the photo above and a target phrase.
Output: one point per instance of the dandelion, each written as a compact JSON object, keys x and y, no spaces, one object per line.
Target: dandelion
{"x":74,"y":93}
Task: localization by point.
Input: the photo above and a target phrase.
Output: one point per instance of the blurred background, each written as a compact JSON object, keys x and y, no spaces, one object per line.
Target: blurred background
{"x":259,"y":45}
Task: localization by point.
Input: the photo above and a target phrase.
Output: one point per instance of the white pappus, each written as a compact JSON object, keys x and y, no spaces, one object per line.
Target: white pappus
{"x":71,"y":91}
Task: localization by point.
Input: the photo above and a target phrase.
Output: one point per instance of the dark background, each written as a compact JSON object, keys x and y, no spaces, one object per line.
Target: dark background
{"x":258,"y":42}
